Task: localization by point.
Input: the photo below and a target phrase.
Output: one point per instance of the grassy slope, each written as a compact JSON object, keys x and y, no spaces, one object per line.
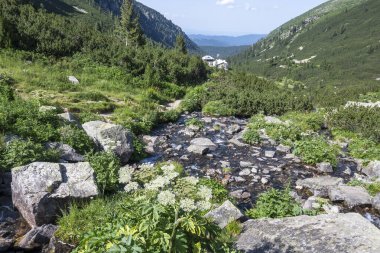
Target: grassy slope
{"x":346,"y":43}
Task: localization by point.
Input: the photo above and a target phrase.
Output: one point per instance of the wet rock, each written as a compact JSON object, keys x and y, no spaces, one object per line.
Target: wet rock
{"x":264,"y":180}
{"x":238,"y":139}
{"x":201,"y":146}
{"x":37,"y":237}
{"x":240,"y":194}
{"x":5,"y":244}
{"x":188,"y":132}
{"x":376,"y":202}
{"x":110,"y":137}
{"x":40,"y":191}
{"x":270,"y":154}
{"x":372,"y":169}
{"x":245,"y":172}
{"x":328,"y":233}
{"x":283,"y":149}
{"x":246,"y":164}
{"x":184,"y":157}
{"x":319,"y":186}
{"x":67,"y":153}
{"x":58,"y":246}
{"x":330,"y":209}
{"x":225,"y":164}
{"x":70,"y":118}
{"x":325,"y":167}
{"x":150,"y":142}
{"x":233,"y":129}
{"x":239,"y":179}
{"x":224,"y":214}
{"x":352,"y":196}
{"x":5,"y":183}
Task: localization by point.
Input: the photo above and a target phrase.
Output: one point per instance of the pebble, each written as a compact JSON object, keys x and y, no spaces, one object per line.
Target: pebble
{"x":270,"y":154}
{"x":246,"y":164}
{"x":245,"y":172}
{"x":264,"y":181}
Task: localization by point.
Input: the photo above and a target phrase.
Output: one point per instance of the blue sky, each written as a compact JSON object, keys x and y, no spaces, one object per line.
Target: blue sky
{"x":230,"y":17}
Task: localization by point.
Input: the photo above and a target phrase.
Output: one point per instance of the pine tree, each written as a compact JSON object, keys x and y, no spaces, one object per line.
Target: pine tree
{"x":181,"y":44}
{"x":130,"y":27}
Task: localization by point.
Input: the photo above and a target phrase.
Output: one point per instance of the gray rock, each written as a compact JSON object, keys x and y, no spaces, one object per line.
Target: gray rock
{"x":58,"y":246}
{"x":73,"y":79}
{"x":240,"y":194}
{"x":245,"y":172}
{"x":224,"y":214}
{"x":308,"y":205}
{"x":352,"y":196}
{"x":264,"y":180}
{"x":110,"y":137}
{"x":376,"y":202}
{"x":233,"y":129}
{"x":37,"y":237}
{"x":67,"y":153}
{"x":328,"y":233}
{"x":319,"y":186}
{"x":40,"y":191}
{"x":225,"y":164}
{"x":201,"y":146}
{"x":246,"y":164}
{"x":150,"y":142}
{"x":283,"y":149}
{"x":239,"y":179}
{"x":372,"y":169}
{"x":70,"y":118}
{"x":325,"y":167}
{"x":270,"y":154}
{"x":5,"y":244}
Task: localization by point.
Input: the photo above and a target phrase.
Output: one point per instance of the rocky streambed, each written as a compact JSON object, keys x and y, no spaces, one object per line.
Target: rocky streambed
{"x":213,"y":147}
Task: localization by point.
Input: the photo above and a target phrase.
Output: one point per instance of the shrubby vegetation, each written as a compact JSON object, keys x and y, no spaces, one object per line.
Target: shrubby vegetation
{"x":277,"y":204}
{"x":163,"y":212}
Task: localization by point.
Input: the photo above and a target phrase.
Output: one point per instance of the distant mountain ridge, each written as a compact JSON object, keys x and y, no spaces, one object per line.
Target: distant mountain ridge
{"x":225,"y":41}
{"x":154,"y":25}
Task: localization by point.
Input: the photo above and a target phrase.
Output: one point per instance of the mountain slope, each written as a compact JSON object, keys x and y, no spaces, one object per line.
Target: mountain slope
{"x":225,"y":41}
{"x":154,"y":25}
{"x":336,"y":43}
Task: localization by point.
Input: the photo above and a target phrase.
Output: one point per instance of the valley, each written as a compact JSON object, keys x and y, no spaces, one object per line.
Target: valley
{"x":115,"y":136}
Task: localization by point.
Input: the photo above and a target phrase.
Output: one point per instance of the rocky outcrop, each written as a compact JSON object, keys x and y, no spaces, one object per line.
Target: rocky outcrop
{"x":329,"y":233}
{"x":352,"y":196}
{"x":224,"y":214}
{"x":37,"y":237}
{"x":201,"y":146}
{"x":372,"y":169}
{"x":110,"y":137}
{"x":67,"y":153}
{"x":70,"y":118}
{"x":319,"y":186}
{"x":325,"y":167}
{"x":40,"y":191}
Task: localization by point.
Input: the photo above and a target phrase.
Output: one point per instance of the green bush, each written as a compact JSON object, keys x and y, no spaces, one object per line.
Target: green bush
{"x":364,"y":149}
{"x":285,"y":134}
{"x":219,"y":192}
{"x":76,"y":138}
{"x":156,"y":218}
{"x":194,"y":122}
{"x":194,"y":99}
{"x":275,"y":204}
{"x":20,"y":152}
{"x":312,"y":121}
{"x":313,"y":150}
{"x":90,"y":96}
{"x":217,"y":108}
{"x":251,"y":136}
{"x":106,"y":166}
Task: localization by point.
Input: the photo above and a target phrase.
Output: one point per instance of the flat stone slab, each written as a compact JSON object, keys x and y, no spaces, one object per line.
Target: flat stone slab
{"x":352,"y":196}
{"x":319,"y":186}
{"x":328,"y":233}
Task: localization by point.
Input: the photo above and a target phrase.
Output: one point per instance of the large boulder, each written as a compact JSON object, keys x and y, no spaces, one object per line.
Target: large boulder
{"x":372,"y":169}
{"x":37,"y":237}
{"x":328,"y":233}
{"x":67,"y":153}
{"x":352,"y":196}
{"x":224,"y":214}
{"x":201,"y":146}
{"x":110,"y":137}
{"x":40,"y":191}
{"x":319,"y":186}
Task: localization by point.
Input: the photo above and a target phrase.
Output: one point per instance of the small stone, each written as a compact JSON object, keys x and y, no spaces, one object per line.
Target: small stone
{"x":225,"y":164}
{"x":264,"y":181}
{"x":270,"y":154}
{"x":325,"y":167}
{"x":245,"y":195}
{"x":347,"y":171}
{"x":239,"y":179}
{"x":184,"y":158}
{"x":245,"y":172}
{"x":265,"y":171}
{"x":283,"y":149}
{"x":210,"y":172}
{"x":254,"y":170}
{"x":246,"y":164}
{"x":308,"y":205}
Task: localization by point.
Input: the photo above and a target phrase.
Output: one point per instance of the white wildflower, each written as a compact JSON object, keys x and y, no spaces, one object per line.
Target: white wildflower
{"x":204,"y":205}
{"x":191,"y":180}
{"x":166,"y":198}
{"x":146,"y":166}
{"x":205,"y":193}
{"x":158,"y":183}
{"x":132,"y":186}
{"x":125,"y":174}
{"x":168,"y":168}
{"x":187,"y":205}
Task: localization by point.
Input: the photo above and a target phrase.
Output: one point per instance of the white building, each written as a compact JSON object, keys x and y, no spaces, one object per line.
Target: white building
{"x":216,"y":63}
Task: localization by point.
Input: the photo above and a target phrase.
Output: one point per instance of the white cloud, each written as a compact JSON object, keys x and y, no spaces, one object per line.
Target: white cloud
{"x":225,"y":2}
